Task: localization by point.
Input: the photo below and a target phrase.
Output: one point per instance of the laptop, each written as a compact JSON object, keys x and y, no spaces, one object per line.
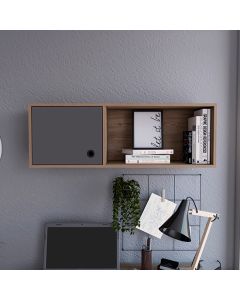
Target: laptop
{"x":81,"y":246}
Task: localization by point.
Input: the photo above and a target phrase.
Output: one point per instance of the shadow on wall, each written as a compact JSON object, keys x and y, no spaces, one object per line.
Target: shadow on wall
{"x":14,"y":134}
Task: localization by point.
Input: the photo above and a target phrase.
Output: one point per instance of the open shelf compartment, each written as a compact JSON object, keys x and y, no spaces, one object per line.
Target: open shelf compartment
{"x":175,"y":121}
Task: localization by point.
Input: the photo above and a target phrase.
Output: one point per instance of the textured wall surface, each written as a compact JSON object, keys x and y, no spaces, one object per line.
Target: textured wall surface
{"x":237,"y":203}
{"x":108,"y":67}
{"x":175,"y":188}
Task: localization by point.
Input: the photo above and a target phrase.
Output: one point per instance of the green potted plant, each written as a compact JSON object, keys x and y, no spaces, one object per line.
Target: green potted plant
{"x":126,"y":205}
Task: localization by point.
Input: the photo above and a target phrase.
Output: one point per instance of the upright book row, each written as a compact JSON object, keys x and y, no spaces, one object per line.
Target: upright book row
{"x":197,"y":140}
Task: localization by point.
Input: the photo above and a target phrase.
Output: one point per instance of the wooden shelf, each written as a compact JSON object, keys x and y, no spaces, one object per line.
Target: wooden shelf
{"x":175,"y":164}
{"x":122,"y":165}
{"x":118,"y":133}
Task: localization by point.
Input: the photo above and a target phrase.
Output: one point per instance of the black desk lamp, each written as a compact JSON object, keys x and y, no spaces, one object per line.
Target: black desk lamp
{"x":177,"y":227}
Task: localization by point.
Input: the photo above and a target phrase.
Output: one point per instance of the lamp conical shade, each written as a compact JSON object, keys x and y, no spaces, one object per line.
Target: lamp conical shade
{"x":177,"y":226}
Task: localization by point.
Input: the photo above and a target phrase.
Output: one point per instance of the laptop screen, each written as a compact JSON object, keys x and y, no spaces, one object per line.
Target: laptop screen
{"x":81,"y":247}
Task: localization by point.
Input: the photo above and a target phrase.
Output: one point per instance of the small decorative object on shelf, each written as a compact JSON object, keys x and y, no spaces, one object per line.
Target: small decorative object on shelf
{"x":147,"y":129}
{"x":126,"y":205}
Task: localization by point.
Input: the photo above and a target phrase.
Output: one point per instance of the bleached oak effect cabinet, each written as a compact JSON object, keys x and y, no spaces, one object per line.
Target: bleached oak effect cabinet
{"x":93,"y":135}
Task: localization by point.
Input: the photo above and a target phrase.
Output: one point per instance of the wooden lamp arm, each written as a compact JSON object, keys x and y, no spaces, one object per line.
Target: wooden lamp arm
{"x":211,"y":217}
{"x":202,"y":213}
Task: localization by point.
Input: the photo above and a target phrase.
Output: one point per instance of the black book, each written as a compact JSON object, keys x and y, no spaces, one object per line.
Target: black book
{"x":187,"y":147}
{"x":168,"y":264}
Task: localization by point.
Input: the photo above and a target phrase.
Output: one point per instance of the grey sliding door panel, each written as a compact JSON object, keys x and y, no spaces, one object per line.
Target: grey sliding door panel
{"x":67,"y":135}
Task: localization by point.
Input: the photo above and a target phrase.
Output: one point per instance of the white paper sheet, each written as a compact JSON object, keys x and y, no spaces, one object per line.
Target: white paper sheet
{"x":156,"y":212}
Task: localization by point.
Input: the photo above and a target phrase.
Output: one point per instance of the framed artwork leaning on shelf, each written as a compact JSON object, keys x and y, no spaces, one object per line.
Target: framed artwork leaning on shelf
{"x":147,"y":129}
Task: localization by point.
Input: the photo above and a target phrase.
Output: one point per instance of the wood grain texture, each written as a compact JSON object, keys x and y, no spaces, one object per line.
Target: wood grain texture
{"x":174,"y":164}
{"x":130,"y":105}
{"x":122,"y":165}
{"x":119,"y":133}
{"x":175,"y":121}
{"x":159,"y":105}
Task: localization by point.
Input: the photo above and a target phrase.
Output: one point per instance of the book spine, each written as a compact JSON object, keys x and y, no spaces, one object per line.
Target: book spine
{"x":187,"y":147}
{"x":194,"y":159}
{"x":209,"y":135}
{"x":198,"y":141}
{"x":147,"y":151}
{"x":149,"y":157}
{"x":194,"y":124}
{"x":204,"y":139}
{"x":206,"y":114}
{"x":140,"y":159}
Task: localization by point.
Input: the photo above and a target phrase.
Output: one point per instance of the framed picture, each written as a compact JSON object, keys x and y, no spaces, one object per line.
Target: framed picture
{"x":147,"y":129}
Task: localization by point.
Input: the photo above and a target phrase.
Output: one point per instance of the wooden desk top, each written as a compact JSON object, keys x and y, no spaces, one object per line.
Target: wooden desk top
{"x":138,"y":267}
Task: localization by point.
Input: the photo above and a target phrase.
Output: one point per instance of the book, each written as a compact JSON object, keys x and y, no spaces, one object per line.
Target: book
{"x":167,"y":264}
{"x":194,"y":124}
{"x":203,"y":141}
{"x":193,"y":147}
{"x":147,"y":159}
{"x":187,"y":147}
{"x":206,"y":114}
{"x":147,"y":151}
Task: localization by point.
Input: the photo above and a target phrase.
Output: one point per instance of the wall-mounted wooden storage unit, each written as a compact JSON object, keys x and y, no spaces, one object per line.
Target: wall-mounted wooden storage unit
{"x":104,"y":130}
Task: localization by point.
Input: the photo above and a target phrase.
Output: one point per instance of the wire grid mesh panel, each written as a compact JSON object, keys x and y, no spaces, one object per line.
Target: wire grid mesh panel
{"x":177,"y":187}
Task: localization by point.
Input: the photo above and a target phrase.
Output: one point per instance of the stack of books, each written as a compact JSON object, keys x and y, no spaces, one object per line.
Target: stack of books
{"x":197,"y":140}
{"x":147,"y":156}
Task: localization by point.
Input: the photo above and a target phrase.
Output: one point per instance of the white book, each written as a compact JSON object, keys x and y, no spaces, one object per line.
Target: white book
{"x":147,"y":159}
{"x":139,"y":161}
{"x":203,"y":142}
{"x":149,"y":156}
{"x":194,"y":124}
{"x":206,"y":113}
{"x":147,"y":151}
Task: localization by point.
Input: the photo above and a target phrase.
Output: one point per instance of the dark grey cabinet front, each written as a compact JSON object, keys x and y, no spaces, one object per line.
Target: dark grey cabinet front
{"x":67,"y":135}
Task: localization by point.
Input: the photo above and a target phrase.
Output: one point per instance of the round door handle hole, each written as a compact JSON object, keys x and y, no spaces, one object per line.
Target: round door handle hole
{"x":90,"y":153}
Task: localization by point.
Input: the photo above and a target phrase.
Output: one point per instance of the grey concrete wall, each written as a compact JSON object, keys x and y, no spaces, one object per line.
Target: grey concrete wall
{"x":107,"y":67}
